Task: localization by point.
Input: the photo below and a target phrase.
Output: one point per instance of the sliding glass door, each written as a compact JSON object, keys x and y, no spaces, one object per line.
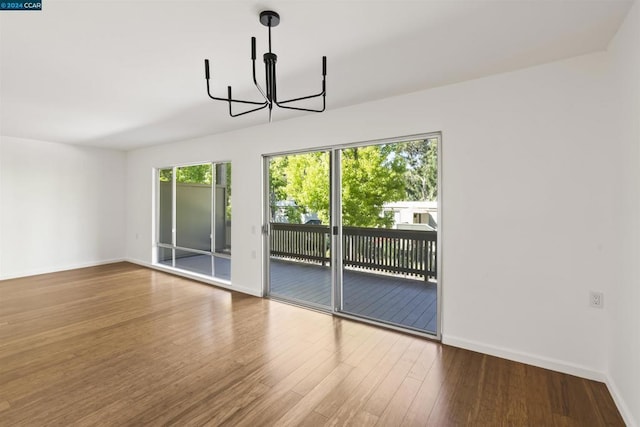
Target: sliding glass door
{"x":354,"y":231}
{"x":299,"y":250}
{"x":389,"y":223}
{"x":194,"y":219}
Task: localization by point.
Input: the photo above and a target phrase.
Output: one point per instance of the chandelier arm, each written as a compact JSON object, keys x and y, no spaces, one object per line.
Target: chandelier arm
{"x":246,"y":112}
{"x":215,"y":98}
{"x":300,"y":99}
{"x":240,"y":101}
{"x":255,"y":82}
{"x":323,"y":93}
{"x":228,"y":99}
{"x":303,"y":109}
{"x":253,"y":65}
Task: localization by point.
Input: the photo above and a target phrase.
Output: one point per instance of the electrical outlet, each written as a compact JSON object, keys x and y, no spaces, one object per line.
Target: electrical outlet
{"x":596,"y":299}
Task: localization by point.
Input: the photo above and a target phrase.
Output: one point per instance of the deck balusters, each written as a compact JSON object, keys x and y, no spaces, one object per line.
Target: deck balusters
{"x":406,"y":252}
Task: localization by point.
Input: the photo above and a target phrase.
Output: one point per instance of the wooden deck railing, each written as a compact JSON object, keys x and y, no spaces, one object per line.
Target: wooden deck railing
{"x":405,"y":252}
{"x":303,"y":242}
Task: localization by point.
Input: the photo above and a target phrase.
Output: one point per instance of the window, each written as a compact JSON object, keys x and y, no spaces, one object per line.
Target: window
{"x":194,"y":219}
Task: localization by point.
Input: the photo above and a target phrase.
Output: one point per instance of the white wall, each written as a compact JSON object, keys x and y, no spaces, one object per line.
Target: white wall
{"x":61,"y":206}
{"x":623,"y":303}
{"x":532,"y":143}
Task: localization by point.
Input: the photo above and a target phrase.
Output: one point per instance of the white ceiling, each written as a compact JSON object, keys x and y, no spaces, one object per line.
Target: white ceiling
{"x":126,"y":74}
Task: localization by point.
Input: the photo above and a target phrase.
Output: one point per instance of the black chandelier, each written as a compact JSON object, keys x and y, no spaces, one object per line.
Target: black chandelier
{"x":269,"y":19}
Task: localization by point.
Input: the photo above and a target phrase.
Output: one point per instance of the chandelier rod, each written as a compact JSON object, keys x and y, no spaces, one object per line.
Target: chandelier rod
{"x":269,"y":34}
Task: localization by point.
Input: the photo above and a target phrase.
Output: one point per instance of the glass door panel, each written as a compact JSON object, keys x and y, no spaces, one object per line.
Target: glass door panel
{"x":299,"y":240}
{"x":193,"y":218}
{"x":193,"y":207}
{"x":389,"y":214}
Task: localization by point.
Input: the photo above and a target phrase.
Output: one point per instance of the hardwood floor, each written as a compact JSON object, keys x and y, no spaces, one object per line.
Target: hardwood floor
{"x":125,"y":345}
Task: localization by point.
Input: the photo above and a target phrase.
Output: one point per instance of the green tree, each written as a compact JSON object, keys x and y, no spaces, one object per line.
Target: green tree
{"x":166,"y":175}
{"x":422,"y":168}
{"x":278,"y":178}
{"x":308,"y":183}
{"x":371,"y":176}
{"x":278,"y":167}
{"x":198,"y":174}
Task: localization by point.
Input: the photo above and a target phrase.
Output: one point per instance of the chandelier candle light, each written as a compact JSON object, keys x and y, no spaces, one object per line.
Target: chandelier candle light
{"x":269,"y":19}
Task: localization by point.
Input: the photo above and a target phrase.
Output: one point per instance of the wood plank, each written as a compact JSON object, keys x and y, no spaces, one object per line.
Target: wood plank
{"x":282,"y":390}
{"x":397,"y":409}
{"x":307,"y":404}
{"x":424,"y":362}
{"x":453,"y":403}
{"x":419,"y":302}
{"x":387,"y":389}
{"x":353,"y":405}
{"x":420,"y":410}
{"x":370,"y":357}
{"x":314,"y":419}
{"x":269,"y":414}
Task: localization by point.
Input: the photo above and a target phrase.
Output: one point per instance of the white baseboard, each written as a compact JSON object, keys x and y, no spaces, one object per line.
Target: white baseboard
{"x":48,"y":270}
{"x":627,"y":416}
{"x":529,"y":359}
{"x":198,"y":277}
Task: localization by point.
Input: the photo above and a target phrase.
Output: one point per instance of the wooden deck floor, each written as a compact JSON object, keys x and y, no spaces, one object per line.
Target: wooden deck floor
{"x":396,"y":300}
{"x":123,"y":345}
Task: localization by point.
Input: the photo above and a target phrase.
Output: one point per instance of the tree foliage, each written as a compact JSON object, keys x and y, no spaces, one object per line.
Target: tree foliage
{"x":371,"y":176}
{"x":421,"y":178}
{"x":280,"y":200}
{"x":197,"y":174}
{"x":308,"y":183}
{"x":302,"y":180}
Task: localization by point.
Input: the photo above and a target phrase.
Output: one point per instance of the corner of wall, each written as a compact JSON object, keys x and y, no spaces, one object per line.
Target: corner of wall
{"x":626,"y":413}
{"x":623,"y":330}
